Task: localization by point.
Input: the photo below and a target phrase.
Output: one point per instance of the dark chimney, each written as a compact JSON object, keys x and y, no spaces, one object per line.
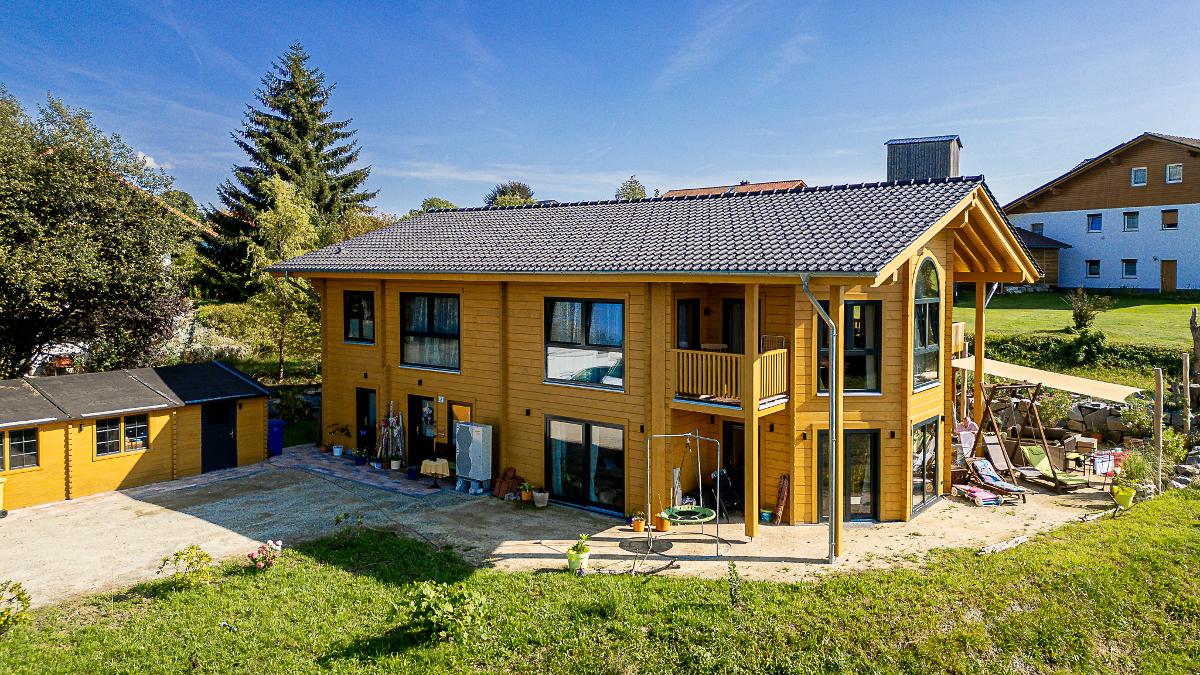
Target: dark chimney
{"x":929,"y":157}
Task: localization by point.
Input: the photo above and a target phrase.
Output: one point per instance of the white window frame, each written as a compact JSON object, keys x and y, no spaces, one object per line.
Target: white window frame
{"x":1133,"y":176}
{"x":1167,"y":173}
{"x":1129,"y":276}
{"x":1088,"y":223}
{"x":1087,"y":265}
{"x":1164,"y":225}
{"x":1136,"y":221}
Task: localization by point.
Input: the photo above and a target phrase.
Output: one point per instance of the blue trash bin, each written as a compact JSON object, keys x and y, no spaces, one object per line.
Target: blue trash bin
{"x":275,"y":437}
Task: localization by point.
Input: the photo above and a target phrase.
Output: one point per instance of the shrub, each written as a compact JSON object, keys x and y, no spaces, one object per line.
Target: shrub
{"x":191,"y":566}
{"x":1174,"y":447}
{"x":292,"y":406}
{"x":1136,"y":416}
{"x":735,"y":586}
{"x":444,"y":611}
{"x":266,"y":556}
{"x":14,"y":605}
{"x":1089,"y":346}
{"x":1084,"y":307}
{"x":1136,"y":467}
{"x":1054,"y":407}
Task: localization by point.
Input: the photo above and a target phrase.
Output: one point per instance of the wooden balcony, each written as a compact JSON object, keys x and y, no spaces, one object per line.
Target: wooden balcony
{"x":716,"y":377}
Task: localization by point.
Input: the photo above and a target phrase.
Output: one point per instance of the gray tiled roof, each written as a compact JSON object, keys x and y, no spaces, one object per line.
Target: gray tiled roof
{"x":924,"y":139}
{"x":95,"y":394}
{"x":844,"y":229}
{"x":22,"y":404}
{"x":1032,"y":239}
{"x":189,"y":383}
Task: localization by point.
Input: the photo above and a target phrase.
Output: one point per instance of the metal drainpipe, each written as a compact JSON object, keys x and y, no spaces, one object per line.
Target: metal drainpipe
{"x":834,"y":412}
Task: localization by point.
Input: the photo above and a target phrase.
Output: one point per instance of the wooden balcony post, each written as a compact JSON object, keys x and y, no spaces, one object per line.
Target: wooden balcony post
{"x":837,"y":312}
{"x":980,"y":300}
{"x":749,"y":398}
{"x":661,"y":390}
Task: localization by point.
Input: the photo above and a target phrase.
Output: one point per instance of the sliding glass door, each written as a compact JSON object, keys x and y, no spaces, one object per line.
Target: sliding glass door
{"x":860,"y":484}
{"x":585,"y":463}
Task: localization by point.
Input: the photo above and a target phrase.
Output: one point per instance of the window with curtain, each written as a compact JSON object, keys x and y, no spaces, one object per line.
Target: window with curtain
{"x":22,"y":448}
{"x":358,"y":308}
{"x":927,"y":316}
{"x":137,"y":432}
{"x":861,"y":347}
{"x":925,"y":463}
{"x":108,"y":436}
{"x":585,"y":463}
{"x":429,"y":332}
{"x":585,"y":342}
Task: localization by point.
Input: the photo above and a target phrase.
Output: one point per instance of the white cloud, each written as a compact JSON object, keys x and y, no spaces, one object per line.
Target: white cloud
{"x":713,"y":37}
{"x":151,"y":163}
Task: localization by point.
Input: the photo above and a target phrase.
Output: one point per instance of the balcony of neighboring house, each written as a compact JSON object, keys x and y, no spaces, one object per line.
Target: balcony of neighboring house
{"x":708,"y":359}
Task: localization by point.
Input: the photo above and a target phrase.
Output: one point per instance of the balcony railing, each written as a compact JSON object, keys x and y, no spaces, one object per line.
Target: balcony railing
{"x":716,"y":377}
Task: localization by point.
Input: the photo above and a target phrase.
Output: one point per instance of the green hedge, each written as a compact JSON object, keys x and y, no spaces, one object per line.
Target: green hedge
{"x":1055,"y":352}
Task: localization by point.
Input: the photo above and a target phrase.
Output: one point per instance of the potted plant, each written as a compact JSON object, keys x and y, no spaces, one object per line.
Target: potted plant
{"x":661,"y":524}
{"x":337,"y":431}
{"x":638,"y":521}
{"x":541,"y":497}
{"x":526,"y":490}
{"x":1123,"y":491}
{"x":577,"y":555}
{"x":360,"y":456}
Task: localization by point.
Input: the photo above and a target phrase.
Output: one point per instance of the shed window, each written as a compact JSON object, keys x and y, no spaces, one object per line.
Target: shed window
{"x":1095,"y":222}
{"x":1129,"y":268}
{"x":927,"y":314}
{"x":1038,"y":228}
{"x":1174,"y":173}
{"x":1131,"y":221}
{"x":108,"y":436}
{"x":137,"y":432}
{"x":429,"y":333}
{"x":585,"y":342}
{"x":924,"y":463}
{"x":22,"y":448}
{"x":1170,"y":219}
{"x":862,"y":340}
{"x":358,"y":308}
{"x":1092,"y":268}
{"x":1137,"y":176}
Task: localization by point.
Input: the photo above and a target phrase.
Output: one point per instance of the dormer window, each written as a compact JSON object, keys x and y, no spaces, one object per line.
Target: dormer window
{"x":1174,"y":173}
{"x":1137,"y":176}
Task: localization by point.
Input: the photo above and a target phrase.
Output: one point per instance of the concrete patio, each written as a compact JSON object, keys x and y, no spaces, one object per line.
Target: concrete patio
{"x":110,"y":541}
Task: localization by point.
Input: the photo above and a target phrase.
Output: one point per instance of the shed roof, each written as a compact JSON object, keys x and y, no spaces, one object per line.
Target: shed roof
{"x":98,"y":394}
{"x":190,"y":383}
{"x":924,"y":139}
{"x":1032,"y":239}
{"x":835,"y":230}
{"x":22,"y":404}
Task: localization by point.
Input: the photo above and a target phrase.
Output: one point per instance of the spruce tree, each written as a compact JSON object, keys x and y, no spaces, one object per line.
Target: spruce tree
{"x":292,"y":135}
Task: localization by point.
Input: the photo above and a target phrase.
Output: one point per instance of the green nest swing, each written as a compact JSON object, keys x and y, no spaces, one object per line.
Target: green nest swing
{"x":688,"y":514}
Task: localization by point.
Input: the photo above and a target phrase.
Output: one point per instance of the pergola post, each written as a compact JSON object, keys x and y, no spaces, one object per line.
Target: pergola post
{"x":750,"y":408}
{"x":980,"y":301}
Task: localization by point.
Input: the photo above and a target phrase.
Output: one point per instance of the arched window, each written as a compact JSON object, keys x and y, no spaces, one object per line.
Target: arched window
{"x":927,"y":312}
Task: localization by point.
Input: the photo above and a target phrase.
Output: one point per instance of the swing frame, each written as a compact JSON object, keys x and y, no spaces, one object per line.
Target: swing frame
{"x":689,"y":438}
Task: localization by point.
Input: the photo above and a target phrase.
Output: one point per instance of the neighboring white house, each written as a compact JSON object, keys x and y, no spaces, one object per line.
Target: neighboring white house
{"x":1131,"y":216}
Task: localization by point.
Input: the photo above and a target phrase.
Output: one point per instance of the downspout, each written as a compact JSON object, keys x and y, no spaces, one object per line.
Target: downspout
{"x":834,"y":412}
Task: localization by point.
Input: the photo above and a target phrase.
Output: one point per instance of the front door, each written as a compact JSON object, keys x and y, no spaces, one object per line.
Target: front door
{"x":422,"y":434}
{"x":1168,"y":270}
{"x":733,"y":456}
{"x":218,"y":436}
{"x":860,"y":484}
{"x":733,"y":325}
{"x":364,"y":417}
{"x":585,"y":464}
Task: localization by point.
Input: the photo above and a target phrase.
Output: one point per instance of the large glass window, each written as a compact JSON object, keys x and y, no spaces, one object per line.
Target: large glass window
{"x":862,"y":339}
{"x":429,"y":332}
{"x":108,"y":436}
{"x":860,"y":484}
{"x":585,"y":342}
{"x":924,"y":463}
{"x":22,"y":448}
{"x":585,"y":463}
{"x":137,"y":432}
{"x":927,"y":321}
{"x":358,"y":309}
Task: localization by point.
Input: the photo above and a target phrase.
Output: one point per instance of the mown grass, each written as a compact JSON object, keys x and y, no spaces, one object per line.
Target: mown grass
{"x":1118,"y":595}
{"x":1136,"y":319}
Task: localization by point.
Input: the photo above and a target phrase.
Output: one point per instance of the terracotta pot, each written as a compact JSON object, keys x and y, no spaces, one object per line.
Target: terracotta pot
{"x":639,"y":525}
{"x":661,"y":524}
{"x":527,"y":495}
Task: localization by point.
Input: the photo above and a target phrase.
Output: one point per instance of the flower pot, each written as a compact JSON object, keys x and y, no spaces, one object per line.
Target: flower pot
{"x":395,"y":465}
{"x":577,"y":561}
{"x":338,"y":450}
{"x":661,"y":524}
{"x":541,"y":499}
{"x":526,"y":495}
{"x":1124,"y":496}
{"x":359,"y":460}
{"x":638,"y":524}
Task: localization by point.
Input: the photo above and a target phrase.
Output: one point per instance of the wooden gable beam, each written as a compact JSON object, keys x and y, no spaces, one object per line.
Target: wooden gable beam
{"x":1000,"y":230}
{"x":964,"y":253}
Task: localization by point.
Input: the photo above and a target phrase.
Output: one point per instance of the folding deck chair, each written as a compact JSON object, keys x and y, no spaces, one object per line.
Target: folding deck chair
{"x":981,"y":472}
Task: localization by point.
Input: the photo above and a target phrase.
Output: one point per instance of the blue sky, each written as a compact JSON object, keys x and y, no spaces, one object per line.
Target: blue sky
{"x":574,"y":97}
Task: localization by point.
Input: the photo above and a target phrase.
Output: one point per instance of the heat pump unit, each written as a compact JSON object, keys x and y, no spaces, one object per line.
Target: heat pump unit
{"x":473,"y":451}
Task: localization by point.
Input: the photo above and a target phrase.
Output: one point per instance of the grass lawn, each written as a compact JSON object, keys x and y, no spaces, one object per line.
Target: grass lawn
{"x":1116,"y":595}
{"x":1136,"y":319}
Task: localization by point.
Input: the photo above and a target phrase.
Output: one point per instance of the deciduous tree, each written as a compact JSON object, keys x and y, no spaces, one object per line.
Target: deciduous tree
{"x":511,"y":193}
{"x":631,"y":189}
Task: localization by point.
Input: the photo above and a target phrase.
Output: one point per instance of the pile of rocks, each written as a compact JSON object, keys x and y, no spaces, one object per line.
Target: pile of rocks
{"x":1188,"y":472}
{"x":1098,"y":417}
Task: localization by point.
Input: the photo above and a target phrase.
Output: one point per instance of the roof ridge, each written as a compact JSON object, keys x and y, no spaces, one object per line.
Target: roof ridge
{"x":978,"y":178}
